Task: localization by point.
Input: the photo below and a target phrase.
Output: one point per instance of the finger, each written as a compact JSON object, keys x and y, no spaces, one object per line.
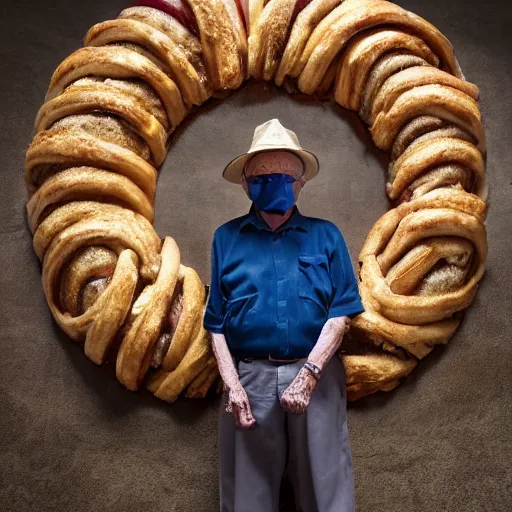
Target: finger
{"x":300,"y":407}
{"x":239,"y":415}
{"x":245,"y":411}
{"x":249,"y":418}
{"x":246,"y":423}
{"x":285,"y":404}
{"x":241,"y":419}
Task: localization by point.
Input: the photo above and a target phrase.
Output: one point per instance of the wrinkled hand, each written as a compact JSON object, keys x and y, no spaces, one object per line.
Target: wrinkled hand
{"x":237,"y":403}
{"x":295,"y":398}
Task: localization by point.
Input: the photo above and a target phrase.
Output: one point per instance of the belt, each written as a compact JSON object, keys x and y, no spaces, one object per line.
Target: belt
{"x":271,"y":359}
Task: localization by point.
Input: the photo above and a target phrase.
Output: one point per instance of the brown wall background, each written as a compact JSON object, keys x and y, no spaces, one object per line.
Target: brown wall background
{"x":72,"y":438}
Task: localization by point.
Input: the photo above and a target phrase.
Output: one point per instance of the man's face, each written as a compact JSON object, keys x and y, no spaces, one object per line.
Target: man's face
{"x":275,"y":162}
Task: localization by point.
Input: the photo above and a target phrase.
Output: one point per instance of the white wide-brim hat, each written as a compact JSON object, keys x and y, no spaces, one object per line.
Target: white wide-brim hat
{"x":272,"y":136}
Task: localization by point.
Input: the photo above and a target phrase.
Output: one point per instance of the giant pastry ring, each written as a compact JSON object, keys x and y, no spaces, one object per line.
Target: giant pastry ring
{"x":113,"y":285}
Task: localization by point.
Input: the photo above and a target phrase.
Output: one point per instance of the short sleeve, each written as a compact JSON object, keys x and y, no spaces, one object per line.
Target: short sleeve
{"x":346,"y":300}
{"x":213,"y":320}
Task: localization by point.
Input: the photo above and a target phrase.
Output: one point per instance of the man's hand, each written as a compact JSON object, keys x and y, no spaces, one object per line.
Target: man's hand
{"x":237,"y":403}
{"x":295,"y":398}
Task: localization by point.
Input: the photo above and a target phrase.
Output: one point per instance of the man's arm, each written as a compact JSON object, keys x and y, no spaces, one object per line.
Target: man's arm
{"x":296,"y":397}
{"x":329,"y":340}
{"x":237,"y":399}
{"x":345,"y":304}
{"x":213,"y":321}
{"x":227,"y":368}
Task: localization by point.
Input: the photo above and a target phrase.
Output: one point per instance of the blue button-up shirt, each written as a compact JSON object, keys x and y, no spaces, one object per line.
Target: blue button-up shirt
{"x":271,"y":292}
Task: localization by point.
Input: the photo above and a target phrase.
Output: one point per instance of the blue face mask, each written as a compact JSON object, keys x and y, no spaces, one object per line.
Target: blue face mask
{"x":272,"y":192}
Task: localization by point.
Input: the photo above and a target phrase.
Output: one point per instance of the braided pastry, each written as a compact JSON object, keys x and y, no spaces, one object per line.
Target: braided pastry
{"x":115,"y":286}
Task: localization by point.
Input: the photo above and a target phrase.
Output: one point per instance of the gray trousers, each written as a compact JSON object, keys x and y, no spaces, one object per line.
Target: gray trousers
{"x":313,"y":447}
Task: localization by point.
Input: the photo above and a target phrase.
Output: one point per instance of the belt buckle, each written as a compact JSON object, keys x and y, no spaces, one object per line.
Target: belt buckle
{"x":273,"y":360}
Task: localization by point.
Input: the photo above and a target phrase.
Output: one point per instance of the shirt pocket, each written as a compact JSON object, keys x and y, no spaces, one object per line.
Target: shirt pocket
{"x":314,"y":280}
{"x":239,"y":311}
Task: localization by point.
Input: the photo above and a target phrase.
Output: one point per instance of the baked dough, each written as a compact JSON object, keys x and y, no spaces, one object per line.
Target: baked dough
{"x":114,"y":286}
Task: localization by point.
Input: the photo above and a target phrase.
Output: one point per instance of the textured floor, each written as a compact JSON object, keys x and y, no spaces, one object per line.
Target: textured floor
{"x":72,"y":438}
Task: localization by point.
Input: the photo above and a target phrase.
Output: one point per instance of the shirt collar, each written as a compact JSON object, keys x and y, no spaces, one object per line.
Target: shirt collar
{"x":295,"y":221}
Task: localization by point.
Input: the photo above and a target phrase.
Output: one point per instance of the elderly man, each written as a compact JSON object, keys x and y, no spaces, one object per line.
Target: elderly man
{"x":282,"y":293}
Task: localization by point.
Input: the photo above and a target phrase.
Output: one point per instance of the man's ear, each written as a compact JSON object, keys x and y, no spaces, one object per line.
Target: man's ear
{"x":302,"y":182}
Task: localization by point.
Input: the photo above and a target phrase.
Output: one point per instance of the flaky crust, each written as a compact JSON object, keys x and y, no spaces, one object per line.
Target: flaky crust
{"x":306,"y":22}
{"x":354,"y":16}
{"x":82,"y":183}
{"x":147,"y":316}
{"x":223,"y":40}
{"x":190,"y":318}
{"x":416,"y":76}
{"x":433,"y":100}
{"x":80,"y":99}
{"x":363,"y":51}
{"x":192,"y":83}
{"x":268,"y":38}
{"x":434,"y":152}
{"x":118,"y":62}
{"x":167,"y":385}
{"x":67,"y":147}
{"x":114,"y":286}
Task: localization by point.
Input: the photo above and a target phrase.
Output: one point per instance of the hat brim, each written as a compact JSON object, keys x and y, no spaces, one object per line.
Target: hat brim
{"x":233,"y":171}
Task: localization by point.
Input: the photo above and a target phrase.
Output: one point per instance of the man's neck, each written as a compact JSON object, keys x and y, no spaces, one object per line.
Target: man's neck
{"x":274,"y":220}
